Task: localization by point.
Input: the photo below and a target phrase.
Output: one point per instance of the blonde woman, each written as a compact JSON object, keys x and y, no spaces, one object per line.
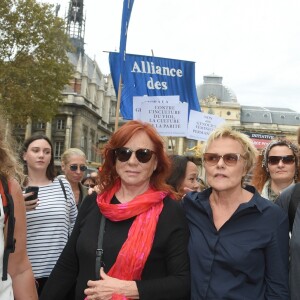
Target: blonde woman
{"x":239,"y":243}
{"x":73,"y":164}
{"x":20,"y":281}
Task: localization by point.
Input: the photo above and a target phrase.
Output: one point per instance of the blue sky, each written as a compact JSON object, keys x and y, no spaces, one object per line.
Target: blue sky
{"x":254,"y":45}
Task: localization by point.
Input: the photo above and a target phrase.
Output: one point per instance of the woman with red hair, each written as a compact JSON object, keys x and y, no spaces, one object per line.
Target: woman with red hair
{"x":146,"y":234}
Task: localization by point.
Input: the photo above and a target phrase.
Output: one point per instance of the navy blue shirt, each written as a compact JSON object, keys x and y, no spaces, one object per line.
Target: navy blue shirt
{"x":247,"y":258}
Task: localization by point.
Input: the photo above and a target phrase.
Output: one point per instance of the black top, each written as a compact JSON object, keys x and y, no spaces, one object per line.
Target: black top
{"x":283,"y":201}
{"x":166,"y":272}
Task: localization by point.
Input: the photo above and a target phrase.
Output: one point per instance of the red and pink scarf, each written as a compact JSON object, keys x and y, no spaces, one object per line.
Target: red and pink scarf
{"x":134,"y":253}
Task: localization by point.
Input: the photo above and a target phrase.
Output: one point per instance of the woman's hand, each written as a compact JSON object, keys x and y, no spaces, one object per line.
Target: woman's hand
{"x":30,"y":204}
{"x":105,"y":288}
{"x":102,"y":289}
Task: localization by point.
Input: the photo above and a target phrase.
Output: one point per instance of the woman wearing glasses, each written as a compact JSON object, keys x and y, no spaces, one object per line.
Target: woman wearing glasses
{"x":73,"y":164}
{"x":145,"y":238}
{"x":276,"y":169}
{"x":51,"y":214}
{"x":239,"y":241}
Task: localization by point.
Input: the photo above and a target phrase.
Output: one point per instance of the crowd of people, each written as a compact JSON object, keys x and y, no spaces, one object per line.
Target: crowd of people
{"x":146,"y":225}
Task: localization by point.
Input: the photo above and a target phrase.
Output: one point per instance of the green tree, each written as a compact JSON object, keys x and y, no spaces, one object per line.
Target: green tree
{"x":34,"y":66}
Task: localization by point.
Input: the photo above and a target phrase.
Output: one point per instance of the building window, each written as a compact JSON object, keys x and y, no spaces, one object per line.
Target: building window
{"x":84,"y":139}
{"x":40,"y":125}
{"x":58,"y":149}
{"x":171,"y":144}
{"x":93,"y":145}
{"x":113,"y":110}
{"x":191,"y":143}
{"x":19,"y":126}
{"x":60,"y":124}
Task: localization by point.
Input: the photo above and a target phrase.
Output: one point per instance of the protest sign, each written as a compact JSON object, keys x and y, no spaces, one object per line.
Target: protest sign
{"x":201,"y":125}
{"x":168,"y":119}
{"x":138,"y":102}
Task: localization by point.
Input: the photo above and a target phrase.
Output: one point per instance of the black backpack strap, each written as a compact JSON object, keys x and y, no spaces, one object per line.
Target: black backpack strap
{"x":99,"y":250}
{"x":295,"y":199}
{"x":10,"y":240}
{"x":62,"y":187}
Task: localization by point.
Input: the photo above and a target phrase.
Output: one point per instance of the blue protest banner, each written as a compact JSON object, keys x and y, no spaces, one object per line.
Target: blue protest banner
{"x":153,"y":76}
{"x":127,"y":7}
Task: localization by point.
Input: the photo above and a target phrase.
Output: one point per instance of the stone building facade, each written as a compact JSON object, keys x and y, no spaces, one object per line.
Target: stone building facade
{"x":260,"y":123}
{"x":86,"y":119}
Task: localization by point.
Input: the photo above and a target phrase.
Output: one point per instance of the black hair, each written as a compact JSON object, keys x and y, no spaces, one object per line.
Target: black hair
{"x":88,"y":178}
{"x":178,"y":170}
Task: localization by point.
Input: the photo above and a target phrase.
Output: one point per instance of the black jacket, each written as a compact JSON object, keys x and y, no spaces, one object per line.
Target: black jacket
{"x":166,"y":272}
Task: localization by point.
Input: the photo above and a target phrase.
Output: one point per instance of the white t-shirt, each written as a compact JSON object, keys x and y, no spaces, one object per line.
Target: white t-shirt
{"x":49,"y":226}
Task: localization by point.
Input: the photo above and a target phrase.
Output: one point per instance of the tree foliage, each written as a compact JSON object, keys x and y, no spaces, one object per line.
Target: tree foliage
{"x":34,"y":66}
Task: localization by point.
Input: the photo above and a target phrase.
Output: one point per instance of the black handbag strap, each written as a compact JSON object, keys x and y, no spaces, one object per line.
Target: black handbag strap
{"x":294,"y":202}
{"x":62,"y":187}
{"x":99,"y":250}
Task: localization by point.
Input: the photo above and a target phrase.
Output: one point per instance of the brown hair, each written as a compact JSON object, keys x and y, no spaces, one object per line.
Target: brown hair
{"x":108,"y":174}
{"x":50,"y":172}
{"x":261,"y":172}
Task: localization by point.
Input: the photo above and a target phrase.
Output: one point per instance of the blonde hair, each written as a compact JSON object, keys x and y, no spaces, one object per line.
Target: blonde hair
{"x":10,"y":166}
{"x":65,"y":157}
{"x":224,"y":131}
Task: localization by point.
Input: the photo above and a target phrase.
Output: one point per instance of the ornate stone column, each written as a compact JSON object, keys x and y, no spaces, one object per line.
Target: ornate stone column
{"x":28,"y":130}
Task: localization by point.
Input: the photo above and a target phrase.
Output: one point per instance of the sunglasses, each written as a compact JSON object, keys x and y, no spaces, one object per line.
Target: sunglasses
{"x":142,"y":155}
{"x":89,"y":185}
{"x":287,"y":160}
{"x":75,"y":168}
{"x":230,"y":159}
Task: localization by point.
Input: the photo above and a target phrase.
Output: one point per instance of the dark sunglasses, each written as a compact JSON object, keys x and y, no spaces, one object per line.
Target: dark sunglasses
{"x":287,"y":160}
{"x":142,"y":155}
{"x":230,"y":159}
{"x":89,"y":185}
{"x":75,"y":168}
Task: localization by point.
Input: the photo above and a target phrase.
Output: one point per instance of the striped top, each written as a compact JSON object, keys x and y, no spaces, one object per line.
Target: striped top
{"x":49,"y":226}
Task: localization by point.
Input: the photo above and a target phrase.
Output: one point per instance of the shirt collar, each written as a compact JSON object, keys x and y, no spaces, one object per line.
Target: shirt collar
{"x":255,"y":201}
